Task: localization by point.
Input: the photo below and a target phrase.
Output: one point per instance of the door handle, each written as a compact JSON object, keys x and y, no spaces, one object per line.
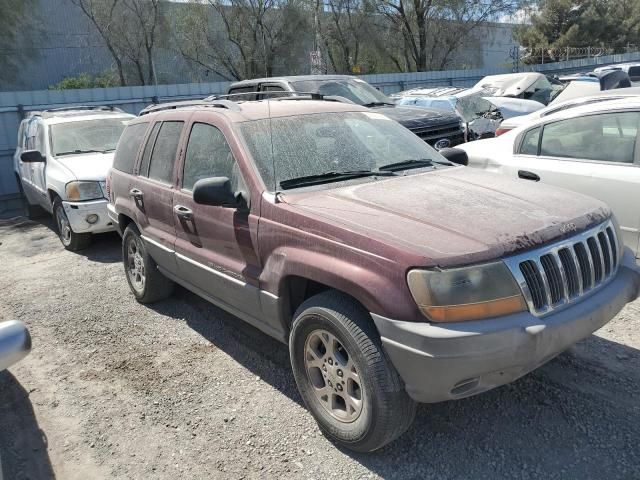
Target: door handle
{"x":183,"y":212}
{"x":528,"y":175}
{"x":135,"y":193}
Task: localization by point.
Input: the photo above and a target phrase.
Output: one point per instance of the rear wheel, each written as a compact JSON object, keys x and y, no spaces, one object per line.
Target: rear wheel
{"x":344,"y":376}
{"x":71,"y":240}
{"x":145,"y":280}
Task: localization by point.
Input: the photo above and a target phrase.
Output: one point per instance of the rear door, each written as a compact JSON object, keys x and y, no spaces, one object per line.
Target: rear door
{"x":216,"y":246}
{"x":153,"y":187}
{"x":596,"y":155}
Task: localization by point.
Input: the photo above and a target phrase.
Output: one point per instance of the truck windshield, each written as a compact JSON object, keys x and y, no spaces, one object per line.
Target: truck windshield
{"x":287,"y":148}
{"x":354,"y":89}
{"x":86,"y":136}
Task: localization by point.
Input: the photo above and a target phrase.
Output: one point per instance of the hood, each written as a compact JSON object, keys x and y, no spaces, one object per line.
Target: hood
{"x":511,"y":84}
{"x":88,"y":166}
{"x":454,"y":216}
{"x":414,"y":117}
{"x":514,"y":107}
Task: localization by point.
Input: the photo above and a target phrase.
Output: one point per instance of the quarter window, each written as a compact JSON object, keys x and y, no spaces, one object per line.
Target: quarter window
{"x":529,"y":145}
{"x":128,"y":147}
{"x":148,"y":148}
{"x":208,"y":155}
{"x":164,"y":152}
{"x":610,"y":137}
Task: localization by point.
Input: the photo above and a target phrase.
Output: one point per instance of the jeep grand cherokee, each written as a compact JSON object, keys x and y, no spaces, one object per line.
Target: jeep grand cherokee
{"x":394,"y":276}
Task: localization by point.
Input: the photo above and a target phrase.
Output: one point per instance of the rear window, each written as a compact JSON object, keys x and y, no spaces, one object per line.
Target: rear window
{"x":128,"y":147}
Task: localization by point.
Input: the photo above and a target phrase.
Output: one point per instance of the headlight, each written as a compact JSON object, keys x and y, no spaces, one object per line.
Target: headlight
{"x":468,"y":293}
{"x":79,"y":191}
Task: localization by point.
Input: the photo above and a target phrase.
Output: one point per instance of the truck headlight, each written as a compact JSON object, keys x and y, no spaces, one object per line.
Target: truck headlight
{"x":80,"y":191}
{"x":469,"y":293}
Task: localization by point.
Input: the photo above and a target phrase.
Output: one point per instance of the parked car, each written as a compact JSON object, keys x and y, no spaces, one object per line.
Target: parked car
{"x":631,"y":69}
{"x":553,"y":107}
{"x":15,"y":343}
{"x":478,"y":110}
{"x":526,"y":85}
{"x":438,"y":128}
{"x":394,"y":275}
{"x":590,"y":149}
{"x":61,"y":163}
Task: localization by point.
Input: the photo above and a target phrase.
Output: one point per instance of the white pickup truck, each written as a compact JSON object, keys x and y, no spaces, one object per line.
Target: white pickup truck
{"x":61,"y":164}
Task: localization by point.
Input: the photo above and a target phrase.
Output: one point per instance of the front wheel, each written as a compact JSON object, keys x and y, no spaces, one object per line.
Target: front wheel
{"x":71,"y":240}
{"x":344,"y":376}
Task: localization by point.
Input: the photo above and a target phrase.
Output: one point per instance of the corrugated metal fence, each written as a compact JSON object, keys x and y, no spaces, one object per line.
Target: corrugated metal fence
{"x":13,"y":105}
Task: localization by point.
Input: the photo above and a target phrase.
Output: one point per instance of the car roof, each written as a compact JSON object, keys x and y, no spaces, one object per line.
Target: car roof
{"x":258,"y":109}
{"x":290,"y":78}
{"x":599,"y":107}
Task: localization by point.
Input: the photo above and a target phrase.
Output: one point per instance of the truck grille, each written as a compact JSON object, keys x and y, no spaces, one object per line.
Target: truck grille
{"x":560,"y":274}
{"x":452,"y":131}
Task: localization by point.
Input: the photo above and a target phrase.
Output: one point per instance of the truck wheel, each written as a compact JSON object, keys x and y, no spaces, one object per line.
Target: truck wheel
{"x":345,"y":379}
{"x":71,"y":240}
{"x":145,"y":280}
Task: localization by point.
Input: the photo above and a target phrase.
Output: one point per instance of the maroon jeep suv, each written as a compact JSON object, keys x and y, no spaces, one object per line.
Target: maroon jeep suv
{"x":394,"y":275}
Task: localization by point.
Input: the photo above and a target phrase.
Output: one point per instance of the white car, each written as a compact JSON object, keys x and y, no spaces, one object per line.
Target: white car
{"x":590,"y":149}
{"x":61,"y":163}
{"x":555,"y":106}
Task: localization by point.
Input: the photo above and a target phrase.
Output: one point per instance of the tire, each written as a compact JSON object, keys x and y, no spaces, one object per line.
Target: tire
{"x":146,"y":282}
{"x":361,"y":417}
{"x":71,"y":240}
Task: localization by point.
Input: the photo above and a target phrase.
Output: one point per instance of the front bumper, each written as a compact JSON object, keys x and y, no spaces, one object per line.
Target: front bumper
{"x":77,"y":213}
{"x":455,"y":360}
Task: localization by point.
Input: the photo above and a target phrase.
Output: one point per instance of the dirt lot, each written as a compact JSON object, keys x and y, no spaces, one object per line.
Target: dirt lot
{"x":114,"y":389}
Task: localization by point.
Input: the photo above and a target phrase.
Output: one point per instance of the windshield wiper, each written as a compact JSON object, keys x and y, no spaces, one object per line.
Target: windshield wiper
{"x":76,"y":152}
{"x":332,"y":176}
{"x":377,"y":104}
{"x":415,"y":163}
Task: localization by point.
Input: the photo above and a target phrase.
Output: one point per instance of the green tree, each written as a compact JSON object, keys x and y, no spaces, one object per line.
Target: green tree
{"x":580,"y":23}
{"x":84,"y":80}
{"x":17,"y":26}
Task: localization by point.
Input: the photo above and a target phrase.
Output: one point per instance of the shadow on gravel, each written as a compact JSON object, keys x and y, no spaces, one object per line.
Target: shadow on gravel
{"x":576,"y":417}
{"x":23,"y":446}
{"x":104,"y":248}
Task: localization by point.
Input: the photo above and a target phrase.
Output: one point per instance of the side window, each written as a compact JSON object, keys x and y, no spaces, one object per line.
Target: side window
{"x":128,"y":146}
{"x":164,"y":152}
{"x":31,"y":135}
{"x":41,"y":142}
{"x":248,"y":90}
{"x":208,"y":155}
{"x":529,"y":145}
{"x":609,"y":137}
{"x":148,"y":148}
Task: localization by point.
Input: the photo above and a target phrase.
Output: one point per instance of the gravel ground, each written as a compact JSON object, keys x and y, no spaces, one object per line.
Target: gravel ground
{"x":180,"y":389}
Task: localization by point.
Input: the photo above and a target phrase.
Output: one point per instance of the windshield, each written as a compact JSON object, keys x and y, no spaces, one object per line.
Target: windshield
{"x":473,"y":106}
{"x":315,"y":144}
{"x":86,"y":135}
{"x":354,"y":89}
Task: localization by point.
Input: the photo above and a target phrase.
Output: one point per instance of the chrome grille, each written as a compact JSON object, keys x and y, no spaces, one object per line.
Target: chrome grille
{"x":560,"y":274}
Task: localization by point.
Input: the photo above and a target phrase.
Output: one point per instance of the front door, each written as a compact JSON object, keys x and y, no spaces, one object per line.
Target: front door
{"x":596,"y":155}
{"x":152,"y":190}
{"x":215,"y":246}
{"x":38,"y":169}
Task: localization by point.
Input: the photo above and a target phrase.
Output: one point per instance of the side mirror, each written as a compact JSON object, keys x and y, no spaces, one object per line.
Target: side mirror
{"x":32,"y":156}
{"x":215,"y":191}
{"x":455,"y":155}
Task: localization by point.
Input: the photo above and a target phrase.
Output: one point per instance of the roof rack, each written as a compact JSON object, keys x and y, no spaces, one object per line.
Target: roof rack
{"x":225,"y":101}
{"x":49,"y":112}
{"x":282,"y":95}
{"x":191,"y":103}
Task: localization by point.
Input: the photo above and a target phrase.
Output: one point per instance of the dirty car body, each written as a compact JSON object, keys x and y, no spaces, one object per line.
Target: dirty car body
{"x":469,"y":280}
{"x":15,"y":343}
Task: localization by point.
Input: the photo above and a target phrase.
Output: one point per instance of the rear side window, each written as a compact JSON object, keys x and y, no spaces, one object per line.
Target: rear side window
{"x":164,"y":152}
{"x":148,"y":148}
{"x":248,"y":90}
{"x":529,"y":145}
{"x":128,"y":147}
